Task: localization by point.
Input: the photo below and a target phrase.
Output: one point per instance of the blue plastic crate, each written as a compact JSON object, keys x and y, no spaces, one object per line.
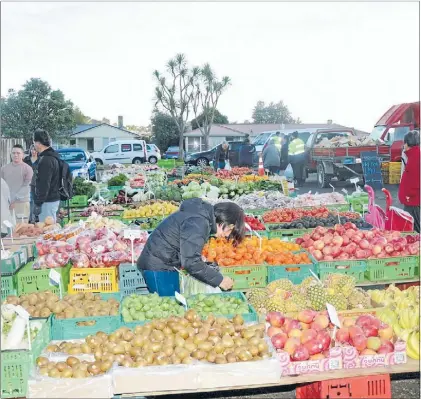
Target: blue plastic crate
{"x":130,"y":280}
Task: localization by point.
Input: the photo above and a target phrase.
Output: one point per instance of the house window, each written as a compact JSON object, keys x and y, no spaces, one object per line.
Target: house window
{"x":111,"y":149}
{"x":126,"y":147}
{"x":72,"y":142}
{"x":90,"y":144}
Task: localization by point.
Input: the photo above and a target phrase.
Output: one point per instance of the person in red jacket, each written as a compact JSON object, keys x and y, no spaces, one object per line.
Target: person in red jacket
{"x":409,"y":189}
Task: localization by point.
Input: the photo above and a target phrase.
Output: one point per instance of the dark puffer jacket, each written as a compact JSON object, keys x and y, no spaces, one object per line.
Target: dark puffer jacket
{"x":47,"y":177}
{"x":178,"y":242}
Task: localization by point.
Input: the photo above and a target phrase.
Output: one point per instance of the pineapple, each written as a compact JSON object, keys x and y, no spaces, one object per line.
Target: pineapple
{"x":338,"y":301}
{"x":307,"y":282}
{"x":359,"y":299}
{"x":275,"y":303}
{"x":317,"y":297}
{"x":340,"y":284}
{"x":346,"y":284}
{"x":257,"y":298}
{"x":282,"y":284}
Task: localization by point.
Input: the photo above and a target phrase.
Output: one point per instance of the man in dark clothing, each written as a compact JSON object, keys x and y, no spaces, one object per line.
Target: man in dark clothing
{"x":297,"y":158}
{"x":245,"y":157}
{"x":221,"y":156}
{"x":284,"y":151}
{"x":47,"y":180}
{"x":179,"y":240}
{"x":271,"y":158}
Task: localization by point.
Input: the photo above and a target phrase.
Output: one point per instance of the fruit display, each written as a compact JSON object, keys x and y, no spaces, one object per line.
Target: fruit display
{"x":283,"y":296}
{"x":173,"y":340}
{"x":98,"y":221}
{"x":263,"y":200}
{"x":304,"y":338}
{"x":147,"y":307}
{"x":51,"y":261}
{"x":71,"y":368}
{"x":217,"y":304}
{"x":254,"y":223}
{"x":23,"y":230}
{"x":149,"y":224}
{"x":158,"y":208}
{"x":317,"y":200}
{"x":45,"y":303}
{"x":401,"y":311}
{"x":248,"y":252}
{"x":233,"y":173}
{"x":123,"y":198}
{"x":252,"y":178}
{"x":347,"y":242}
{"x":367,"y":334}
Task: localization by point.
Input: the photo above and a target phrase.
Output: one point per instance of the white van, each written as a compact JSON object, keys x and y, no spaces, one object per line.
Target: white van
{"x":122,"y":151}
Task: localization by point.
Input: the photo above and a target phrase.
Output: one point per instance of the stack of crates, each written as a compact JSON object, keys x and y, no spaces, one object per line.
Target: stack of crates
{"x":394,"y":172}
{"x":385,"y":172}
{"x":9,"y":269}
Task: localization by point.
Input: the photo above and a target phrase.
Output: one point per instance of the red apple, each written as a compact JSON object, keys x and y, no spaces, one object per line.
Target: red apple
{"x":273,"y":331}
{"x":279,"y":340}
{"x":306,"y":316}
{"x":276,"y":319}
{"x":359,"y":342}
{"x":342,"y":335}
{"x":300,"y":354}
{"x":291,"y":345}
{"x":308,"y":335}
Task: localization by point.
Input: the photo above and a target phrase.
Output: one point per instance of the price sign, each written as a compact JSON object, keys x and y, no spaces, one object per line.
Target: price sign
{"x":371,"y":168}
{"x":180,"y":298}
{"x":55,"y":279}
{"x":333,"y":315}
{"x":132,"y":234}
{"x":8,"y":224}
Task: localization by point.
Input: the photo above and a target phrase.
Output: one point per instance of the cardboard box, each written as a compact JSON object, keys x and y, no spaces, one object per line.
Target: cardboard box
{"x":352,"y":360}
{"x":333,"y":362}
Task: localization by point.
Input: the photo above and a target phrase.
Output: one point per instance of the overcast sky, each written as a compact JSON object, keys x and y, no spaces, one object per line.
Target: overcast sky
{"x":348,"y":62}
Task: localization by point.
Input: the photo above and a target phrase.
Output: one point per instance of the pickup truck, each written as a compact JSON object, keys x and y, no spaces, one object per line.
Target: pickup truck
{"x":340,"y":162}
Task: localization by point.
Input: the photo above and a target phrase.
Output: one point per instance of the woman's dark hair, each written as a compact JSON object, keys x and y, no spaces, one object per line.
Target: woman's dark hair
{"x":41,"y":136}
{"x":228,"y":213}
{"x":412,"y":138}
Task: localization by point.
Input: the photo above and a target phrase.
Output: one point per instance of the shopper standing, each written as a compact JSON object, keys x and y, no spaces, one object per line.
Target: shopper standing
{"x":5,"y":208}
{"x":284,"y":152}
{"x":271,"y":158}
{"x":221,"y":156}
{"x":47,"y":180}
{"x":409,"y":189}
{"x":18,"y":176}
{"x":245,"y":156}
{"x":296,"y":154}
{"x":277,"y":139}
{"x":32,"y":161}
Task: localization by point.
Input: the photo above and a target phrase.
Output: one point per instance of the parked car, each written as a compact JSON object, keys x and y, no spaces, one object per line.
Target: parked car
{"x":204,"y":158}
{"x":154,"y":154}
{"x":171,"y":153}
{"x":80,"y":161}
{"x":122,"y":151}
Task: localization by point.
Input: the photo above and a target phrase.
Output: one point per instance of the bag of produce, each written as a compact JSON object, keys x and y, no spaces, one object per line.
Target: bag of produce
{"x":101,"y":246}
{"x":51,"y":261}
{"x":191,"y":286}
{"x":227,"y":165}
{"x":80,"y":260}
{"x":289,"y":173}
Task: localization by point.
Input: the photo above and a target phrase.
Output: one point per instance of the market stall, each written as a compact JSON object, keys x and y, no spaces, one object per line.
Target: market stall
{"x":76,"y":306}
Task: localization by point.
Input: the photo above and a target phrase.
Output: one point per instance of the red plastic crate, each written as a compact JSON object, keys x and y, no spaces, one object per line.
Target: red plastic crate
{"x":369,"y":387}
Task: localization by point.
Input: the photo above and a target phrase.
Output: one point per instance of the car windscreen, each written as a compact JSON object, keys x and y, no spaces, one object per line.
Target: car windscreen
{"x":172,"y":149}
{"x":72,"y":156}
{"x":261,"y":139}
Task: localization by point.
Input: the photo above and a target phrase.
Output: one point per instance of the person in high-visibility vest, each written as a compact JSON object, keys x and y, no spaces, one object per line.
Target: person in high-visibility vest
{"x":297,"y":159}
{"x":277,"y":140}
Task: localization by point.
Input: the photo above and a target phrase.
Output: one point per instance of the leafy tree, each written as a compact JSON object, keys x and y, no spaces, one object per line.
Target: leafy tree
{"x":164,"y":130}
{"x":80,"y":117}
{"x":272,"y":113}
{"x":174,"y":93}
{"x":36,"y":106}
{"x":217,"y":118}
{"x":208,"y":90}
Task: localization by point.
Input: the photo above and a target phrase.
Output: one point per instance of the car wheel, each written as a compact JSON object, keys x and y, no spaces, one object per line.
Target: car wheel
{"x":99,"y":161}
{"x":137,"y":161}
{"x":202,"y":162}
{"x":153,"y":159}
{"x":323,"y":179}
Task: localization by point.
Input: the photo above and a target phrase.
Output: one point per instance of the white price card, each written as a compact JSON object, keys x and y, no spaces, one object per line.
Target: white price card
{"x":180,"y":298}
{"x":8,"y":224}
{"x":55,"y":277}
{"x":22,"y":312}
{"x":132,"y":234}
{"x":333,"y":315}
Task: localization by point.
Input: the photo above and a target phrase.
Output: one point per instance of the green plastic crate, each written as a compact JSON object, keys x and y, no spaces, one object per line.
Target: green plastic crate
{"x":246,"y":276}
{"x":29,"y":280}
{"x":63,"y":329}
{"x":386,"y":269}
{"x":296,"y":276}
{"x":249,"y":317}
{"x":16,"y":364}
{"x":8,"y":286}
{"x":354,"y":268}
{"x":287,"y":234}
{"x":10,"y":265}
{"x":115,"y":188}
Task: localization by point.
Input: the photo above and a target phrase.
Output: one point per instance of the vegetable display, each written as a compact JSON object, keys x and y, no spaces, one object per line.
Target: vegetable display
{"x":254,"y":223}
{"x":23,"y":230}
{"x":83,"y":187}
{"x":172,"y":340}
{"x":158,"y":208}
{"x":119,"y":180}
{"x":217,"y":304}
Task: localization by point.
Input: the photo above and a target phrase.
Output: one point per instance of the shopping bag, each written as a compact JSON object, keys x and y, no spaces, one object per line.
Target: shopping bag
{"x":227,"y":165}
{"x":289,"y":173}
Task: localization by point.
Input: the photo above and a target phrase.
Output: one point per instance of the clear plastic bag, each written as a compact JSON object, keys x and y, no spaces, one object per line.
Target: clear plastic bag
{"x":80,"y":260}
{"x":51,"y":261}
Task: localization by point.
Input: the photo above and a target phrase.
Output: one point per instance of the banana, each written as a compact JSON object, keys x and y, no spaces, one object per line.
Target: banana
{"x":413,"y":345}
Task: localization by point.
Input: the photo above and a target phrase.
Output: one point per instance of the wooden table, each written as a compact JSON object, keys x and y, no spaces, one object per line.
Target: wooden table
{"x":412,"y":366}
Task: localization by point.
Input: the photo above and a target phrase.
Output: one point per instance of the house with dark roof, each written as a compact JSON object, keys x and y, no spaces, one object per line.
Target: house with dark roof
{"x":237,"y":132}
{"x":94,"y":137}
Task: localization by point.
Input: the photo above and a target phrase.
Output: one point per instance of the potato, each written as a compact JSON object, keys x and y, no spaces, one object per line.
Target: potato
{"x":49,"y":221}
{"x":40,"y":225}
